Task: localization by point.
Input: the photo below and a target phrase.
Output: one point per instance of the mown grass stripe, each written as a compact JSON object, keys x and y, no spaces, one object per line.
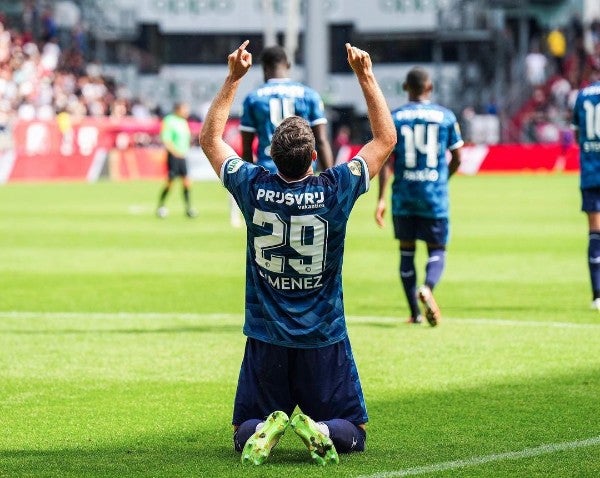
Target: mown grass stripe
{"x":482,"y":460}
{"x":230,"y":316}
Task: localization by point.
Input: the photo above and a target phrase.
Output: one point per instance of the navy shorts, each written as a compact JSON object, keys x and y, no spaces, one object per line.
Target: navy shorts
{"x":411,"y":228}
{"x":177,"y":167}
{"x":322,"y":381}
{"x":590,"y":200}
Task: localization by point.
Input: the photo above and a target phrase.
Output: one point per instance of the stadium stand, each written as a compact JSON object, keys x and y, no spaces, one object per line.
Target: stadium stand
{"x":476,"y":49}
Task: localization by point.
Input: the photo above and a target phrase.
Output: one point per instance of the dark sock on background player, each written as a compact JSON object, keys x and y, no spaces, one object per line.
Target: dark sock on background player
{"x":163,"y":196}
{"x":408,"y":276}
{"x":435,"y":266}
{"x":594,"y":261}
{"x":186,"y":197}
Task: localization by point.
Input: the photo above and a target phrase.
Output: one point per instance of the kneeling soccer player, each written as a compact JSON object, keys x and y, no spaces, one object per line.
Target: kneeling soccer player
{"x":297,"y":351}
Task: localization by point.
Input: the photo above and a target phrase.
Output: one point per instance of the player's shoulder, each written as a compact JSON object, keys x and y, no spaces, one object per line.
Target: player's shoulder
{"x":356,"y":166}
{"x":449,"y":115}
{"x":252,"y":95}
{"x":308,"y":91}
{"x":417,"y":109}
{"x":592,"y":89}
{"x":236,"y":165}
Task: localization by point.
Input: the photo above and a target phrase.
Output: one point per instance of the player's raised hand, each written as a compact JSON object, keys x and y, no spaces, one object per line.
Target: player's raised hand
{"x":359,"y":60}
{"x":239,"y":61}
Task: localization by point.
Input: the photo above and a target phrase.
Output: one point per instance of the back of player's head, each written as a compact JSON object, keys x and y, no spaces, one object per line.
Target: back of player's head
{"x":417,"y":80}
{"x":273,"y":56}
{"x":292,"y":147}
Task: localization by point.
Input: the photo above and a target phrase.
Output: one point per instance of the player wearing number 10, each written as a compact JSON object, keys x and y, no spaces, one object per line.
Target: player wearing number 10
{"x":420,"y":188}
{"x":297,"y":349}
{"x":586,"y":121}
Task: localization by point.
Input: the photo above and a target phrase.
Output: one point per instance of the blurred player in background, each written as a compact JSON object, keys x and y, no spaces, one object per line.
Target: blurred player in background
{"x":279,"y":97}
{"x":420,"y":188}
{"x":297,"y":348}
{"x":586,"y":121}
{"x":175,"y":135}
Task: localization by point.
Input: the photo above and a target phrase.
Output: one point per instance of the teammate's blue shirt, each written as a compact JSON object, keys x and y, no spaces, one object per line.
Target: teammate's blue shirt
{"x":295,"y":246}
{"x":266,"y":107}
{"x":586,"y":119}
{"x":425,"y":131}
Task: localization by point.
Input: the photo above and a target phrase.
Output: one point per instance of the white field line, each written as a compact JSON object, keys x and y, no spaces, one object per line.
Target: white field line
{"x":228,"y":316}
{"x":482,"y":460}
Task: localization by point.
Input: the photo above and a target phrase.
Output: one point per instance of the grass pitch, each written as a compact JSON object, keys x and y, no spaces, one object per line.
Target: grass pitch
{"x":120,"y":337}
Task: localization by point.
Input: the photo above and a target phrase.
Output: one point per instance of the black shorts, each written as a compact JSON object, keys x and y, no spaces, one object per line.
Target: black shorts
{"x":411,"y":228}
{"x":177,"y":167}
{"x":590,"y":200}
{"x":322,"y":381}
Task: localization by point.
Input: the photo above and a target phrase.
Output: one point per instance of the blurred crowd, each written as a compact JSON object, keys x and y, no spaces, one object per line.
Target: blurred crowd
{"x":560,"y":63}
{"x":39,"y":80}
{"x":45,"y":75}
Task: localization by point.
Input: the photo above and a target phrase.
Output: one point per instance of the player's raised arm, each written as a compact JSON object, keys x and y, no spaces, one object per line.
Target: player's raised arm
{"x":211,"y":136}
{"x":376,"y":151}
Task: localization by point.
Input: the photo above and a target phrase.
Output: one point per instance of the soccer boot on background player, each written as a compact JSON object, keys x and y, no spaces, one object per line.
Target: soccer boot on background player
{"x":259,"y":446}
{"x":315,"y":437}
{"x":432,"y":311}
{"x":191,"y":212}
{"x":162,"y":212}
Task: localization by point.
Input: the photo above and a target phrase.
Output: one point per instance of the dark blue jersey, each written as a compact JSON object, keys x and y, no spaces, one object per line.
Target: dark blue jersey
{"x":425,"y":131}
{"x":586,"y":119}
{"x":266,"y":107}
{"x":295,"y":247}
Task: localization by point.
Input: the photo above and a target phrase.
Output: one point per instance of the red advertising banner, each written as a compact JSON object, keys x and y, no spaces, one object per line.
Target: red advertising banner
{"x":130,"y":148}
{"x":506,"y":158}
{"x":127,"y":148}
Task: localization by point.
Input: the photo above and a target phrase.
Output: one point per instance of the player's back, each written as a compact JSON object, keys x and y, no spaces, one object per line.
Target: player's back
{"x":586,"y":117}
{"x":266,"y":107}
{"x":425,"y":132}
{"x":296,"y":233}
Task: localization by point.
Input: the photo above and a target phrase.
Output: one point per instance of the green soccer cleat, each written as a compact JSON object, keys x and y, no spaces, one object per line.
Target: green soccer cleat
{"x":259,"y":446}
{"x":319,"y":445}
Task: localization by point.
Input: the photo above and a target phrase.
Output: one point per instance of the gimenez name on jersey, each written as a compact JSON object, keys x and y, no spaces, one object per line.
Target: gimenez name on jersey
{"x":312,"y":200}
{"x":421,"y":175}
{"x":281,"y":282}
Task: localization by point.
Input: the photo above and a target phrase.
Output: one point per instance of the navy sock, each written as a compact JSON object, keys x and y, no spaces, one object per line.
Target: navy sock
{"x":408,"y":276}
{"x":435,"y":266}
{"x":245,"y":431}
{"x":346,"y":436}
{"x":186,"y":197}
{"x":594,"y":261}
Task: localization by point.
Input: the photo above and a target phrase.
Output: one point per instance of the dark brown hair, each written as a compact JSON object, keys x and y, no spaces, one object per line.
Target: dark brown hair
{"x":292,"y":147}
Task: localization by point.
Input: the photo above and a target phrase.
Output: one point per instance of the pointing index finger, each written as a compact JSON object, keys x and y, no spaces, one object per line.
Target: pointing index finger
{"x":243,"y":46}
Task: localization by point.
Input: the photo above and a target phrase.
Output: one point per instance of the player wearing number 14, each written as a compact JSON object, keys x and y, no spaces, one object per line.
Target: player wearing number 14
{"x":426,"y":131}
{"x":586,"y":121}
